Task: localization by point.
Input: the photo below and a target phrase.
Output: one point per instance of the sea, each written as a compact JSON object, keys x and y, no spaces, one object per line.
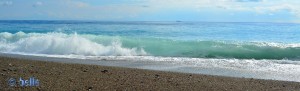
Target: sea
{"x":260,"y":50}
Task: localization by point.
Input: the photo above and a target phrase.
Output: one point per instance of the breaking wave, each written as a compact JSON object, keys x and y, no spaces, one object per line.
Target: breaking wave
{"x":62,"y":44}
{"x":98,"y":45}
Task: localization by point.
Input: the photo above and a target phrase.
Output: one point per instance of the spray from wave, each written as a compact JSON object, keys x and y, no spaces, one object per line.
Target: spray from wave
{"x":62,"y":44}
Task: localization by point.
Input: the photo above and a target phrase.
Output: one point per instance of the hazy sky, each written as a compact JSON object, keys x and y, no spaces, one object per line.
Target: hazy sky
{"x":153,"y":10}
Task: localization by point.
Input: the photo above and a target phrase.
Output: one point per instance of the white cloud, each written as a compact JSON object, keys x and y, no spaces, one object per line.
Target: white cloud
{"x":259,"y":6}
{"x":75,"y":9}
{"x":248,"y":0}
{"x":36,"y":4}
{"x":82,"y":9}
{"x":73,"y":3}
{"x":6,"y":3}
{"x":255,"y":6}
{"x":81,"y":4}
{"x":294,"y":9}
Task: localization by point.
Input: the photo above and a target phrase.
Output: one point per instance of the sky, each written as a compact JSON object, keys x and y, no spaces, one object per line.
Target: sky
{"x":153,"y":10}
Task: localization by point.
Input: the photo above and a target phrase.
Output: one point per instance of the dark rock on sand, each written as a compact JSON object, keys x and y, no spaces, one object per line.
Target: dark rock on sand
{"x":104,"y":71}
{"x":90,"y":88}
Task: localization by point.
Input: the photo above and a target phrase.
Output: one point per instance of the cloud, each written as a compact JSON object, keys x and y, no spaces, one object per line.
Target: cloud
{"x":127,"y":9}
{"x":255,"y":6}
{"x":294,"y":9}
{"x":6,"y":3}
{"x":248,"y":0}
{"x":37,"y":4}
{"x":75,"y":9}
{"x":79,"y":4}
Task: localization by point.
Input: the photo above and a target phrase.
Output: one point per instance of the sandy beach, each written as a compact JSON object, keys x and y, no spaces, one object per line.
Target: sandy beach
{"x":78,"y":77}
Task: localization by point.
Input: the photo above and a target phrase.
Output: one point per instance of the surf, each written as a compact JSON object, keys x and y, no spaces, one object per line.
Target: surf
{"x":61,"y":44}
{"x":58,"y":43}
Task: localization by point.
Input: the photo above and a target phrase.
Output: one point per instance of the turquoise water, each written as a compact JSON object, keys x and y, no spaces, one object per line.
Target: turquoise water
{"x":255,"y":50}
{"x":167,"y":39}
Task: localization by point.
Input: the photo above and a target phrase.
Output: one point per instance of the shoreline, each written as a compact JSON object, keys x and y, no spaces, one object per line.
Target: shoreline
{"x":71,"y":76}
{"x":186,"y":66}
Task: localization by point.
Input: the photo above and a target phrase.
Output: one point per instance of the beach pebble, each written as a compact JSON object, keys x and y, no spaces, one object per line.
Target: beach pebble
{"x":156,"y":76}
{"x":283,"y":85}
{"x":90,"y":88}
{"x":4,"y":70}
{"x":12,"y":69}
{"x":104,"y":71}
{"x":38,"y":89}
{"x":31,"y":71}
{"x":190,"y":76}
{"x":10,"y":64}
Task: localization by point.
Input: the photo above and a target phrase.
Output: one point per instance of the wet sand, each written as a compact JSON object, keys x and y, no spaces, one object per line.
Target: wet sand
{"x":78,"y":77}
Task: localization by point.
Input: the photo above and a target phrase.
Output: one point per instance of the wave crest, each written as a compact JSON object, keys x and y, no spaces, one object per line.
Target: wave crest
{"x":62,"y":44}
{"x":100,"y":45}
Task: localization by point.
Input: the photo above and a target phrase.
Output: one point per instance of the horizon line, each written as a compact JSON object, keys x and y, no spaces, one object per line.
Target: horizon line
{"x":146,"y":21}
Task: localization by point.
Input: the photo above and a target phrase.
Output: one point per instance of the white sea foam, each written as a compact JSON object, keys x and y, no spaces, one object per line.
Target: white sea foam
{"x":263,"y":69}
{"x":280,"y":45}
{"x":62,"y":44}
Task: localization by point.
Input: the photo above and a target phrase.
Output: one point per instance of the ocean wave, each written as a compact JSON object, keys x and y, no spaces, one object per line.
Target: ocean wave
{"x":220,"y":49}
{"x":100,"y":45}
{"x":62,"y":44}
